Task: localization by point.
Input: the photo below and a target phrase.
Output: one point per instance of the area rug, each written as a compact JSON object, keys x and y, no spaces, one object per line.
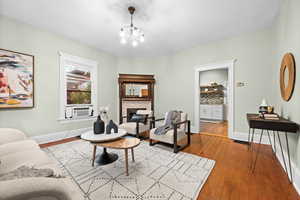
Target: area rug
{"x":156,"y":174}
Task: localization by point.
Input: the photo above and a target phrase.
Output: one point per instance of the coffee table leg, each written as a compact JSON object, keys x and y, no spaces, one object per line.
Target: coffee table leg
{"x":94,"y":155}
{"x":106,"y":158}
{"x":126,"y":161}
{"x":132,"y":155}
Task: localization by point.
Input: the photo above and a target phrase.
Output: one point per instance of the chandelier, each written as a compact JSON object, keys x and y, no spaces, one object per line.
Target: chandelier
{"x":131,"y":33}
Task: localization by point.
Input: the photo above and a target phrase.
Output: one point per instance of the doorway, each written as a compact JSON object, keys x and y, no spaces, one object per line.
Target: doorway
{"x":213,"y":96}
{"x":213,"y":102}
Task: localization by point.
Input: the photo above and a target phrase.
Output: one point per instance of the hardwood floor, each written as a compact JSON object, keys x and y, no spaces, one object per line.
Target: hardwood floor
{"x":214,"y":129}
{"x":231,"y":178}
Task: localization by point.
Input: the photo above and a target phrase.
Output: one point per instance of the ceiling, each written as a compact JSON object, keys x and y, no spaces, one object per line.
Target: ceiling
{"x":169,"y":25}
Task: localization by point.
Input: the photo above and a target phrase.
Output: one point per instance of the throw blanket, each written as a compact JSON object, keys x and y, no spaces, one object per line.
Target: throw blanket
{"x":172,"y":117}
{"x":25,"y":172}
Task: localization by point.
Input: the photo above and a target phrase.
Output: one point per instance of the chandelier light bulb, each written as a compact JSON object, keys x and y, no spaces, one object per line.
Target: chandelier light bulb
{"x":134,"y":43}
{"x":122,"y":33}
{"x":123,"y":41}
{"x":142,"y":39}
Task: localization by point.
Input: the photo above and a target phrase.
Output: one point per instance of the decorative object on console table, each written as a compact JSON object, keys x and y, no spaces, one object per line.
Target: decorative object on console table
{"x":287,"y":76}
{"x":111,"y":126}
{"x":16,"y":80}
{"x":271,"y":116}
{"x":263,"y":108}
{"x":99,"y":126}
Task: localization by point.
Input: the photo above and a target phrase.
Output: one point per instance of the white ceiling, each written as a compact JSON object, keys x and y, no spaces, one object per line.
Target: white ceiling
{"x":169,"y":25}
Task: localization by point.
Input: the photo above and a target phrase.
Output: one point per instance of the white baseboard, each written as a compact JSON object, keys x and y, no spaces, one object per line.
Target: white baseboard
{"x":244,"y":137}
{"x":52,"y":137}
{"x":295,"y":169}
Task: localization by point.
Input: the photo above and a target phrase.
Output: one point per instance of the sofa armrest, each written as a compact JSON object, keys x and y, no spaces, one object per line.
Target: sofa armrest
{"x":39,"y":188}
{"x":11,"y":135}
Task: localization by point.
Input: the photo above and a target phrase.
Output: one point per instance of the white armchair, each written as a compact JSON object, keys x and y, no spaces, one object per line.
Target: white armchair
{"x":138,"y":127}
{"x":175,"y":135}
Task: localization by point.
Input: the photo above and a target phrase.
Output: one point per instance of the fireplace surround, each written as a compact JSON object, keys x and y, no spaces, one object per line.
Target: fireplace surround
{"x":136,"y":92}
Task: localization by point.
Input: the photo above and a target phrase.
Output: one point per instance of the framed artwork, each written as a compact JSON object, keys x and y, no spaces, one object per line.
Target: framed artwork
{"x":16,"y":80}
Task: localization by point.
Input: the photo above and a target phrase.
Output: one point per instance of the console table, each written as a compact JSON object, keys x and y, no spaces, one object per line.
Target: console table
{"x":276,"y":126}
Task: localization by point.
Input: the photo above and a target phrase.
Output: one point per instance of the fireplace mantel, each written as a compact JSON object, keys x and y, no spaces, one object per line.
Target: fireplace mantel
{"x":132,"y":98}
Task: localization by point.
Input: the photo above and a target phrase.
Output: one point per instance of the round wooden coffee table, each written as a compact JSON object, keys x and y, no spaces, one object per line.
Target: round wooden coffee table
{"x":105,"y":158}
{"x":122,"y":143}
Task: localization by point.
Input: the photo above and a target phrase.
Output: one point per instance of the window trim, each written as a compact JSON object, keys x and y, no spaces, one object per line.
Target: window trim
{"x":93,"y":65}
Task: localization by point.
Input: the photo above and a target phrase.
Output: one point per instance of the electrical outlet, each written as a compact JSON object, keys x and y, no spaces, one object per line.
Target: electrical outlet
{"x":240,"y":84}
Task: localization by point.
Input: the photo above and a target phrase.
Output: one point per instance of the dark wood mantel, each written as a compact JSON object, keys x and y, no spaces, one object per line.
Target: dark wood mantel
{"x":146,"y":79}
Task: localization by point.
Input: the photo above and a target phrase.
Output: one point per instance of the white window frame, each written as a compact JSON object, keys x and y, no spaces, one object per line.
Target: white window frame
{"x":93,"y":65}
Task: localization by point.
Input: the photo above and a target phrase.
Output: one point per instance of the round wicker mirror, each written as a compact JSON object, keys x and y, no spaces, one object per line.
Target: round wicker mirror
{"x":287,"y":76}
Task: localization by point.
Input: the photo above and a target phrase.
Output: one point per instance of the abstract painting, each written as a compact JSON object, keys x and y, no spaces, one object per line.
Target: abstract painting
{"x":16,"y":80}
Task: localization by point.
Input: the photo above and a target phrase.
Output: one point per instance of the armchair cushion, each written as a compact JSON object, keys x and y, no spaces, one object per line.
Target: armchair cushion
{"x":130,"y":127}
{"x":168,"y":137}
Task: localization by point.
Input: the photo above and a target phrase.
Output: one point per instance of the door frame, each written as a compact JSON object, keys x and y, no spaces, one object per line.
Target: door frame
{"x":230,"y":93}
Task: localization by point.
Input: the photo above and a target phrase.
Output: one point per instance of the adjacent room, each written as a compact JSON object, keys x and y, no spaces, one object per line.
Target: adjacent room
{"x":149,"y":100}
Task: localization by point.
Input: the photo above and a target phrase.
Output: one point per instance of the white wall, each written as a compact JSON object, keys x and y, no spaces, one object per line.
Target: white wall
{"x":42,"y":119}
{"x":214,"y":76}
{"x":175,"y":73}
{"x":288,"y":40}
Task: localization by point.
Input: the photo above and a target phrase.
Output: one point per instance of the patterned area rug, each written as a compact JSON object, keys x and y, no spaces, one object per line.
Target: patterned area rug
{"x":156,"y":174}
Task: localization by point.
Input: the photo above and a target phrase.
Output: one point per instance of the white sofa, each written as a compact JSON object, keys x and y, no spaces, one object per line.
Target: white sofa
{"x":17,"y":150}
{"x":180,"y":131}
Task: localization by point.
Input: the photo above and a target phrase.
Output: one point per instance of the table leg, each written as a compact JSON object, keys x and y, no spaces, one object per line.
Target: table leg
{"x":249,"y":133}
{"x":274,"y":138}
{"x":106,"y":158}
{"x":132,"y":155}
{"x":94,"y":155}
{"x":288,"y":151}
{"x":283,"y":158}
{"x":251,"y":147}
{"x":126,"y":161}
{"x":270,"y":140}
{"x":253,"y":169}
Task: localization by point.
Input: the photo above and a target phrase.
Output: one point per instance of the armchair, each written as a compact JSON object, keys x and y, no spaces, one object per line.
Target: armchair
{"x":138,"y":127}
{"x":175,"y":135}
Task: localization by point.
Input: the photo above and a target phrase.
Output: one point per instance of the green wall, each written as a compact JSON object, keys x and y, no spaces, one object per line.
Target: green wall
{"x":43,"y":118}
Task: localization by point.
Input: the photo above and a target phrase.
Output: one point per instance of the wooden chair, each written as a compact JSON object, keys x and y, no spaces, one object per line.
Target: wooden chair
{"x":174,"y":135}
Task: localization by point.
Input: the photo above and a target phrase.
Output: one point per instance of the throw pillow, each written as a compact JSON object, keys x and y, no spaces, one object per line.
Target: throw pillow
{"x":139,"y":118}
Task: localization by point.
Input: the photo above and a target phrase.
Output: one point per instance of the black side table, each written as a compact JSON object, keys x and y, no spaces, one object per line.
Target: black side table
{"x":272,"y":126}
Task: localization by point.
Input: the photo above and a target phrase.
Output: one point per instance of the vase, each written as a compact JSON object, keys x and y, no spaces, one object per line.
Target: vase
{"x":111,"y":126}
{"x":99,"y":126}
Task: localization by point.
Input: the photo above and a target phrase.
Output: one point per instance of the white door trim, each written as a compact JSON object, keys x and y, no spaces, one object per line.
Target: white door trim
{"x":221,"y":65}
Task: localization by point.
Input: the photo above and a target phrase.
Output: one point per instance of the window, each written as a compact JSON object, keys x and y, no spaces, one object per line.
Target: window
{"x":78,"y":87}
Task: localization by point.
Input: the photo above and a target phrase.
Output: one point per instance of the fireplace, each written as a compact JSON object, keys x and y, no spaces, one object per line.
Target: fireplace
{"x":136,"y":92}
{"x":131,"y":111}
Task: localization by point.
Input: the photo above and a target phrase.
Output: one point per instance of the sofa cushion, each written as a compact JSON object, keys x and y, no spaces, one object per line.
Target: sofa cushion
{"x":11,"y":135}
{"x":130,"y":127}
{"x":31,"y":157}
{"x":14,"y":147}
